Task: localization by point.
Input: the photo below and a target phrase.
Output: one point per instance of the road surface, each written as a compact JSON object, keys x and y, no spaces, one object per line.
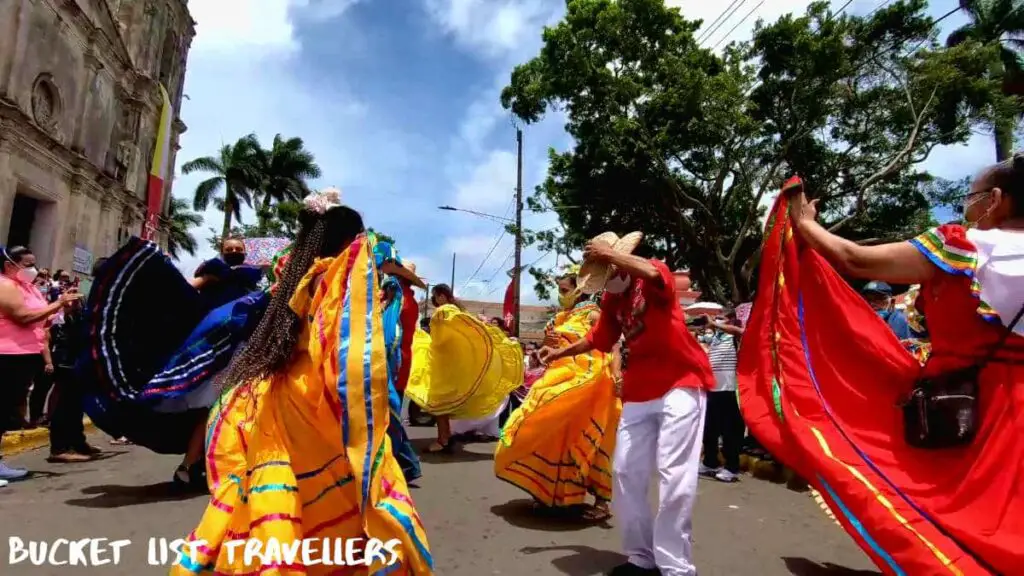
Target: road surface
{"x":477,"y":525}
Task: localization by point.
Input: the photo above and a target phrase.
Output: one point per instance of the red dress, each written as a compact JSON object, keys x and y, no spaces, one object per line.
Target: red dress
{"x":409,"y":317}
{"x":821,"y":392}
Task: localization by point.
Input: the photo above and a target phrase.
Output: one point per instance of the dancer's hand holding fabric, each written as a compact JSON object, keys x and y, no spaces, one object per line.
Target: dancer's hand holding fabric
{"x":801,"y":209}
{"x":897,"y":262}
{"x":546,"y":355}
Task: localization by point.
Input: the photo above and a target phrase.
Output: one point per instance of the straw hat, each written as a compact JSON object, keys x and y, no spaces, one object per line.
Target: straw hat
{"x":594,"y":275}
{"x":406,"y":272}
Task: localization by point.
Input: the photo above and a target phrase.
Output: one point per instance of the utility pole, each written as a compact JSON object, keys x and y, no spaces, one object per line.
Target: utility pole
{"x":453,"y":273}
{"x":426,"y":303}
{"x":516,"y":275}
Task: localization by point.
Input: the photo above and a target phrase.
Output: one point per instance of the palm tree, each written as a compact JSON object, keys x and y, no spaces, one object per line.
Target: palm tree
{"x":237,"y":169}
{"x":284,"y":170}
{"x":998,"y":22}
{"x":181,"y":221}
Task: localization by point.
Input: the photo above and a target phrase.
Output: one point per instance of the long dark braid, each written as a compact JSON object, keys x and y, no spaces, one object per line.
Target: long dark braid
{"x":272,"y":344}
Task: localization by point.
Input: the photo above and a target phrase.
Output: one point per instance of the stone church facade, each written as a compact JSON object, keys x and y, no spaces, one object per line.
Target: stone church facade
{"x":80,"y":107}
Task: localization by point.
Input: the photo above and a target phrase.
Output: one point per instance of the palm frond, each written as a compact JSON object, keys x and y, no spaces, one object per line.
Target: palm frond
{"x":204,"y":164}
{"x":205,"y":192}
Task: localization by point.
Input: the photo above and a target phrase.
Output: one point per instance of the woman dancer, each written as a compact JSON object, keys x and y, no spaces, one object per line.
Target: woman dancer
{"x":557,"y":446}
{"x":297,"y":444}
{"x":464,"y":369}
{"x":400,"y":317}
{"x":155,"y":346}
{"x":823,"y":382}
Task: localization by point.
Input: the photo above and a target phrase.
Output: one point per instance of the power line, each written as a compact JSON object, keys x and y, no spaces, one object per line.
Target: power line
{"x":935,"y":25}
{"x":704,"y":34}
{"x":501,"y":236}
{"x":712,"y":31}
{"x":733,"y":29}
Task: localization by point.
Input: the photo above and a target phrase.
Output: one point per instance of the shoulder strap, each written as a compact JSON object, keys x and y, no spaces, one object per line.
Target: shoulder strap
{"x":1002,"y":341}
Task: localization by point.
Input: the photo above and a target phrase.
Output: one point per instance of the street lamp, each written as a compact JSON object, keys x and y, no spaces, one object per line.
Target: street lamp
{"x":475,"y":213}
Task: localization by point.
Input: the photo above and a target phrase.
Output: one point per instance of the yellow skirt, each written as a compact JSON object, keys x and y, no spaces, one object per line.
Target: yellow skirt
{"x":558,"y":445}
{"x":464,"y":368}
{"x":300,"y":464}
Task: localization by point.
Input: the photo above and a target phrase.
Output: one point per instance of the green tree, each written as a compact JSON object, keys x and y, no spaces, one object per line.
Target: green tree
{"x":236,"y":169}
{"x":998,"y":23}
{"x":284,"y":169}
{"x":690,"y":146}
{"x":180,"y":223}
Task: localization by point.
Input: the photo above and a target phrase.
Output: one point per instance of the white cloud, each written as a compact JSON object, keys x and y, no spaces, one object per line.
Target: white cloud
{"x":491,"y":185}
{"x":241,"y":78}
{"x":477,"y":245}
{"x":322,"y":10}
{"x":494,"y":28}
{"x":234,"y":26}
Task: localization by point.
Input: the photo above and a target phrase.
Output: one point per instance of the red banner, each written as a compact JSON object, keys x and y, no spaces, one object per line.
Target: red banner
{"x":508,"y":310}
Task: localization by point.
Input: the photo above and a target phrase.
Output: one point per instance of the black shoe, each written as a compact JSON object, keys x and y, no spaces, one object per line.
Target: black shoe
{"x":628,"y":569}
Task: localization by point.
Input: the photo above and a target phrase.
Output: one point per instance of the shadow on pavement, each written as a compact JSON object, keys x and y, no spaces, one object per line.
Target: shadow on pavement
{"x":805,"y":567}
{"x":458,"y":454}
{"x":114,"y":496}
{"x":523,"y":514}
{"x":584,"y":561}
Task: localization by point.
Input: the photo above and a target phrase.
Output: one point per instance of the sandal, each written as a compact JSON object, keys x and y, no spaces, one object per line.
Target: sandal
{"x":597,"y":513}
{"x":438,"y":448}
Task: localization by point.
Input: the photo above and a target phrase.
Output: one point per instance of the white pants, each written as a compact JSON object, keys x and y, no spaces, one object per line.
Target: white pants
{"x":488,"y":426}
{"x":665,"y":432}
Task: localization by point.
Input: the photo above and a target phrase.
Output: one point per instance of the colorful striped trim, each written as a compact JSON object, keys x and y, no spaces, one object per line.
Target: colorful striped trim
{"x":954,"y":260}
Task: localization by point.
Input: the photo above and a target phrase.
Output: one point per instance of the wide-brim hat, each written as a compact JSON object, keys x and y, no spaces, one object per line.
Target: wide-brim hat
{"x":594,"y":275}
{"x":406,"y":272}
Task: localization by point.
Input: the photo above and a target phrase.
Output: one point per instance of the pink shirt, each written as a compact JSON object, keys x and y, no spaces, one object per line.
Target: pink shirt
{"x":28,"y":339}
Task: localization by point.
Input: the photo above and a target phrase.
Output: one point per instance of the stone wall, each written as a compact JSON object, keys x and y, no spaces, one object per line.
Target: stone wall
{"x":79,"y":111}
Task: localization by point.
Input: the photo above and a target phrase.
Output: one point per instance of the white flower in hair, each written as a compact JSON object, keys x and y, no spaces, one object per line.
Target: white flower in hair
{"x":322,"y":201}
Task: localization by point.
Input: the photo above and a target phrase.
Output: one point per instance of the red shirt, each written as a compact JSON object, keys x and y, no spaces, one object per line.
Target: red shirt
{"x":662,"y":354}
{"x":409,"y":317}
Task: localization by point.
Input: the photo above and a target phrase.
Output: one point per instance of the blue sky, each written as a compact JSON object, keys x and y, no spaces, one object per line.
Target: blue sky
{"x":399,"y":102}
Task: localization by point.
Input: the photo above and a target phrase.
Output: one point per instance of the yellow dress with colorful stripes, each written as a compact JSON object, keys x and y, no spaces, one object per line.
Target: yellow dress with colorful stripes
{"x":304,"y":454}
{"x":558,"y":445}
{"x":464,"y":368}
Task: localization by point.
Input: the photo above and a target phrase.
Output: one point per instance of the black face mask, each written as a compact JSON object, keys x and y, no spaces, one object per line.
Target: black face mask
{"x":234,"y":259}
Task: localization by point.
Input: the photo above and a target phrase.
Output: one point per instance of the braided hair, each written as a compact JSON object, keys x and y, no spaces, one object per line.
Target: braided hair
{"x":272,"y":345}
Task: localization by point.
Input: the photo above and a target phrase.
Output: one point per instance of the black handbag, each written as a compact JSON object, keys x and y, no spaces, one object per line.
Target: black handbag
{"x":941,"y":411}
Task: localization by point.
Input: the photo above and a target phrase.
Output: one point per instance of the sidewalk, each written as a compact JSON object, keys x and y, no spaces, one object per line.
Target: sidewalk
{"x":25,"y":440}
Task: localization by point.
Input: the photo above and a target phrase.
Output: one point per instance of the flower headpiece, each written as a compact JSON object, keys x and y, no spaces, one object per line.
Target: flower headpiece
{"x":322,"y":201}
{"x":571,"y":269}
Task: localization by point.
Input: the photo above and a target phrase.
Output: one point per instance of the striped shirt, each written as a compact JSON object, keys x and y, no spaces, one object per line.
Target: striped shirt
{"x":722,"y":353}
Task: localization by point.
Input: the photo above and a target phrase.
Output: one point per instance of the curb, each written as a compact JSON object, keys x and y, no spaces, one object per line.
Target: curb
{"x":25,"y":440}
{"x":774,"y":472}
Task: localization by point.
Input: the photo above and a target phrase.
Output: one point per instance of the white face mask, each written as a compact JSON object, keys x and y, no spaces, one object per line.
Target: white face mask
{"x":618,"y":284}
{"x":28,"y":275}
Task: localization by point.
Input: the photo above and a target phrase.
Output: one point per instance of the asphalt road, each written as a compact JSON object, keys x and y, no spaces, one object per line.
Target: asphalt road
{"x":477,"y":525}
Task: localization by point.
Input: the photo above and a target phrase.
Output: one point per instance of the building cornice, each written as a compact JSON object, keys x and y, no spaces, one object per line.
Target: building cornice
{"x":82,"y":175}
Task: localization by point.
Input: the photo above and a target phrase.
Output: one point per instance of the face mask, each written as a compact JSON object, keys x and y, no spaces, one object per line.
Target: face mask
{"x":234,"y":259}
{"x":971,"y":202}
{"x":618,"y":284}
{"x":28,"y":275}
{"x":568,"y":300}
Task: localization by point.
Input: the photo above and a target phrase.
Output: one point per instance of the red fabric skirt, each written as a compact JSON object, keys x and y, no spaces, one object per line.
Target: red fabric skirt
{"x":821,"y":378}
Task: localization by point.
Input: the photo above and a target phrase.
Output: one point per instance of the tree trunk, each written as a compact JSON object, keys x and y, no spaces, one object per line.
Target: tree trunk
{"x":226,"y":231}
{"x":1004,"y":138}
